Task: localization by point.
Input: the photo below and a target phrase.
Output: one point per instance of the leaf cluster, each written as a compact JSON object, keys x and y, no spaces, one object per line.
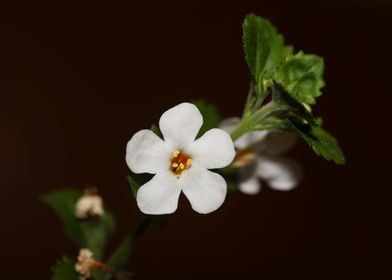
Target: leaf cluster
{"x":294,"y":82}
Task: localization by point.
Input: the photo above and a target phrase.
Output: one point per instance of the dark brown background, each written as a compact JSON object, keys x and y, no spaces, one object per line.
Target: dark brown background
{"x":76,"y":81}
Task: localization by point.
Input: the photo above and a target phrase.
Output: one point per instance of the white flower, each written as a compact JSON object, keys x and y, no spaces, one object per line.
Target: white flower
{"x":258,"y":155}
{"x":180,"y":162}
{"x":89,"y":205}
{"x":85,"y":264}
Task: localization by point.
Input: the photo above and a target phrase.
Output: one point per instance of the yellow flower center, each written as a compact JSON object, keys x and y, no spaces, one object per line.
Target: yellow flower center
{"x":180,"y":162}
{"x":244,"y":157}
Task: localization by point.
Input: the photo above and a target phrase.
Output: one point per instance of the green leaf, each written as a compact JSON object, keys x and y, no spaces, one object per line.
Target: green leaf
{"x":96,"y":233}
{"x":297,"y":118}
{"x":264,"y":49}
{"x":211,"y":116}
{"x":63,"y":202}
{"x":89,"y":233}
{"x":301,"y":75}
{"x":290,"y":107}
{"x":64,"y":269}
{"x":323,"y":143}
{"x":136,"y":180}
{"x":155,"y":128}
{"x":117,"y":275}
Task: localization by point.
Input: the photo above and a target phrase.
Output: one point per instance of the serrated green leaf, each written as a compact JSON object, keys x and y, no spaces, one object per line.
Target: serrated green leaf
{"x":297,"y":118}
{"x":323,"y":143}
{"x":290,"y":106}
{"x":64,"y":269}
{"x":89,"y":233}
{"x":288,"y":50}
{"x":264,"y":49}
{"x":301,"y":75}
{"x":211,"y":116}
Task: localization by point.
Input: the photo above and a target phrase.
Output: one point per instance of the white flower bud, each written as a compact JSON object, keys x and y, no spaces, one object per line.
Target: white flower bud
{"x":89,"y":205}
{"x":84,"y":264}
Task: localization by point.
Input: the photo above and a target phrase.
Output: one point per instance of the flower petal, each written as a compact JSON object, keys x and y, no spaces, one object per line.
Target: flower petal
{"x":277,"y":143}
{"x":229,"y":124}
{"x":253,"y":138}
{"x":280,"y":173}
{"x":214,"y":149}
{"x":147,"y":153}
{"x":205,"y":190}
{"x":248,"y":181}
{"x":159,"y":195}
{"x":251,"y":186}
{"x":180,"y":125}
{"x":246,"y":140}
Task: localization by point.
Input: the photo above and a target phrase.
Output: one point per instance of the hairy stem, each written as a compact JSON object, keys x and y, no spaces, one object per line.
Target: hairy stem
{"x":255,"y":121}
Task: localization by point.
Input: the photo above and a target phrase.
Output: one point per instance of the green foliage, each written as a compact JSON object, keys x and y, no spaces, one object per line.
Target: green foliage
{"x":297,"y":118}
{"x":63,"y":203}
{"x":133,"y":184}
{"x":322,"y":143}
{"x":136,"y":180}
{"x":294,"y":81}
{"x":289,"y":107}
{"x":155,"y":128}
{"x":64,"y":269}
{"x":211,"y":116}
{"x":264,"y":49}
{"x":91,"y":233}
{"x":96,"y":233}
{"x":301,"y":75}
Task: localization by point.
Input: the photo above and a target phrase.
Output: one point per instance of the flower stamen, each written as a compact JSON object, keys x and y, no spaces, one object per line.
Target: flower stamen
{"x":180,"y":162}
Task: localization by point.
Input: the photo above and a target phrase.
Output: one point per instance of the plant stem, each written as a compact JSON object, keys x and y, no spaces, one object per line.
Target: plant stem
{"x":141,"y":228}
{"x":241,"y":129}
{"x":254,"y":121}
{"x":121,"y":254}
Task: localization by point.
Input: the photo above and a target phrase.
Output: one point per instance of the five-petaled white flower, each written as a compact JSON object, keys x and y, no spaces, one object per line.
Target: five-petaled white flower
{"x":258,"y":156}
{"x":180,"y":163}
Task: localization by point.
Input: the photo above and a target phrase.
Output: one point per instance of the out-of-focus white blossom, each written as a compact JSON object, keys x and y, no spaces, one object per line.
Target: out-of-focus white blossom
{"x":259,"y":157}
{"x":85,"y":264}
{"x":89,"y":205}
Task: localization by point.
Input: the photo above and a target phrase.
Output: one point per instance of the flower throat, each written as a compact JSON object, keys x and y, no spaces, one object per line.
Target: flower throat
{"x":180,"y":162}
